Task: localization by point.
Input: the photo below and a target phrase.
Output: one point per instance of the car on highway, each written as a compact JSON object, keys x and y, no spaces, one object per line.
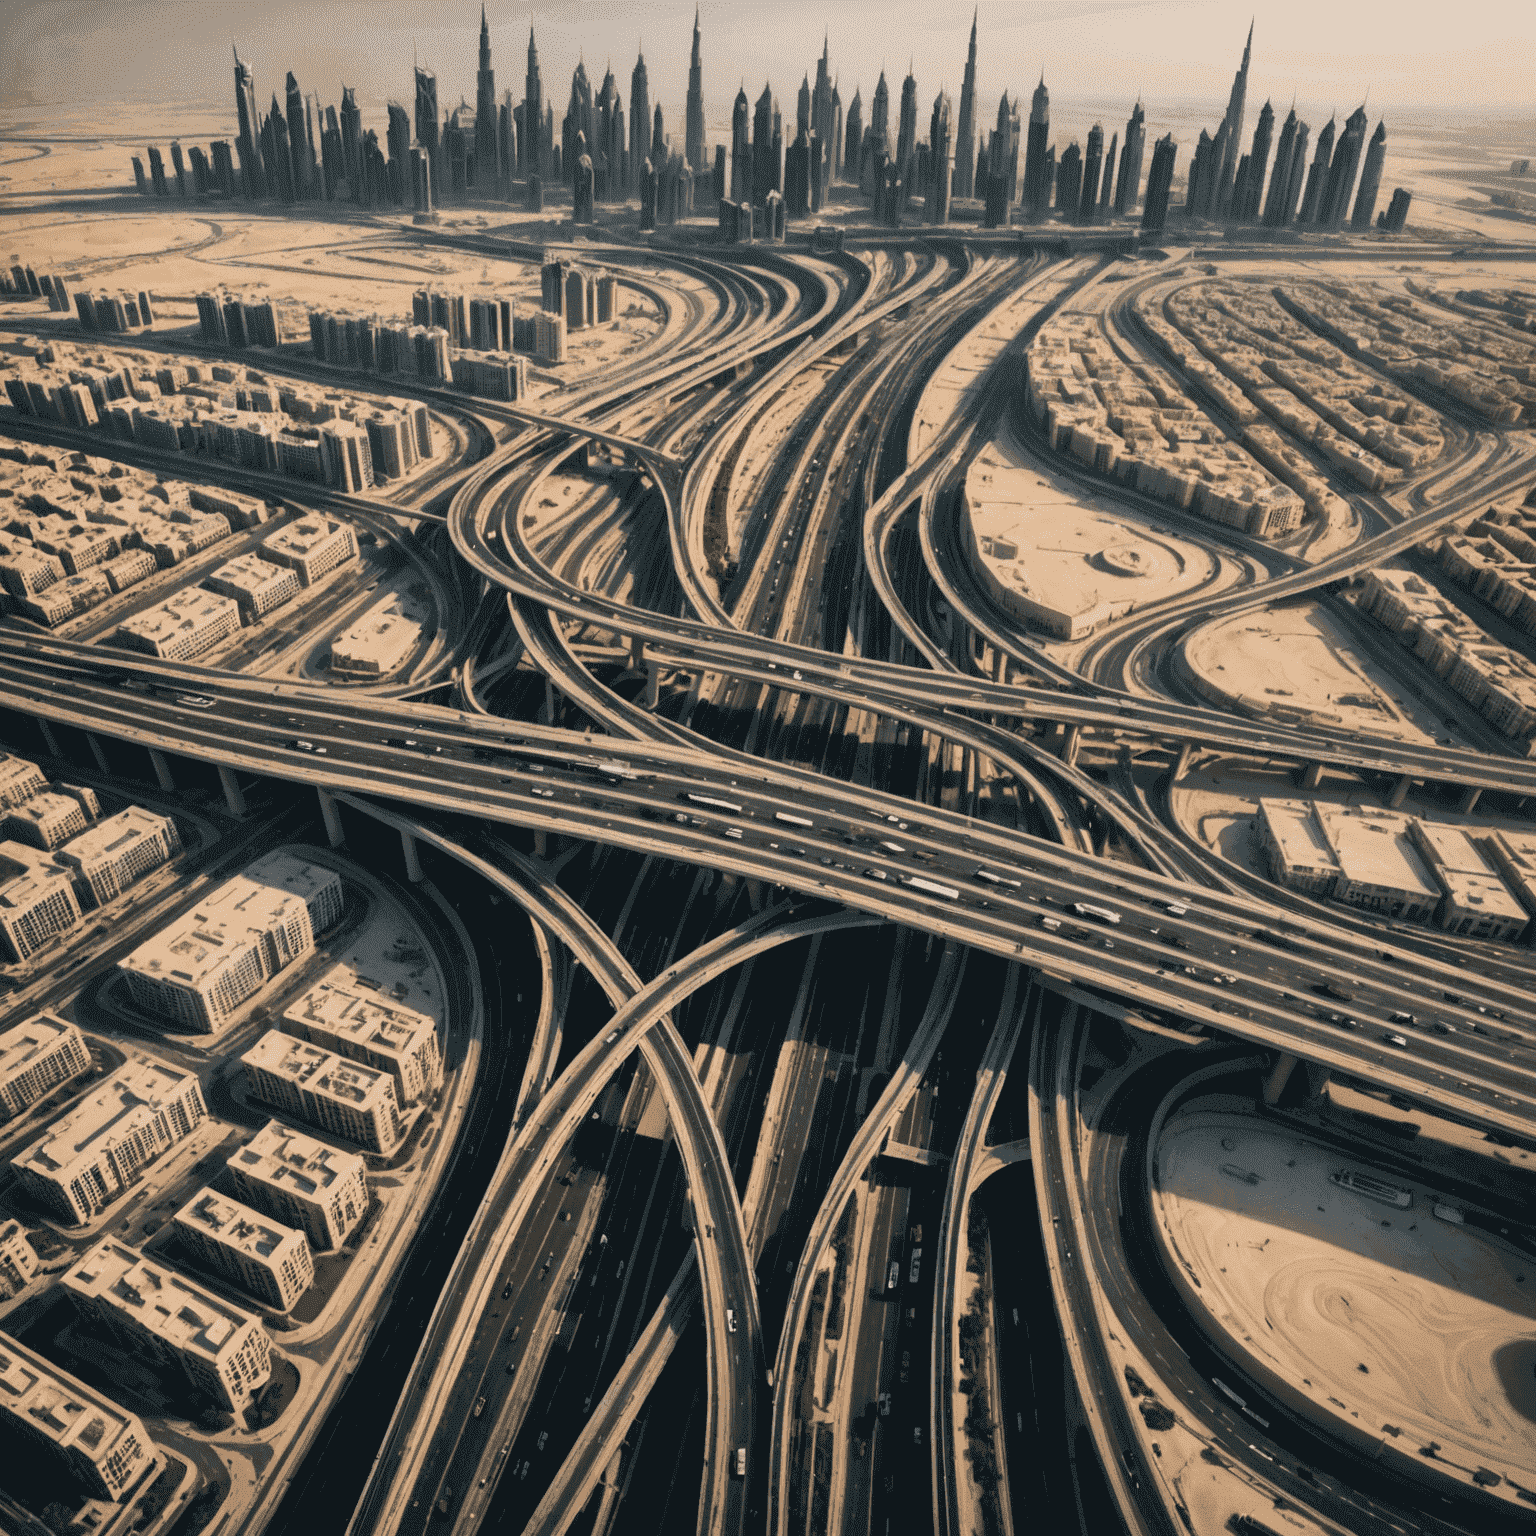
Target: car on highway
{"x":195,"y":700}
{"x":741,"y":1461}
{"x":1395,"y":1040}
{"x":730,"y":1320}
{"x":893,"y":1276}
{"x":479,"y":1406}
{"x":885,"y":1405}
{"x":298,"y":744}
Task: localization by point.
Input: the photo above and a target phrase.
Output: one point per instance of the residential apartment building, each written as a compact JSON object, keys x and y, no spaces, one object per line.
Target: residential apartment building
{"x":362,"y":1026}
{"x":91,"y":1155}
{"x":19,"y":780}
{"x":37,"y":1055}
{"x":345,"y":1098}
{"x":1476,"y":903}
{"x":301,"y":1181}
{"x":378,"y":642}
{"x":160,"y":1314}
{"x":183,"y":627}
{"x":212,"y":959}
{"x":257,"y":585}
{"x":269,"y":1261}
{"x":108,"y":858}
{"x":46,"y":821}
{"x":18,"y":1259}
{"x":92,"y":1440}
{"x":312,"y":546}
{"x":37,"y":900}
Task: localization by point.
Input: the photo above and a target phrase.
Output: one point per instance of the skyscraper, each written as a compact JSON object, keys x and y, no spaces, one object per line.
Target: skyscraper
{"x":1130,"y":161}
{"x":936,"y":210}
{"x":1341,"y":173}
{"x":741,"y":149}
{"x":853,"y":137}
{"x":1258,"y":161}
{"x":763,"y":168}
{"x":1093,"y":163}
{"x":612,"y":156}
{"x":835,"y":154}
{"x":1275,"y":202}
{"x":426,"y":119}
{"x":1317,"y":177}
{"x":1036,"y":190}
{"x":906,"y":131}
{"x":1202,"y":176}
{"x":1297,"y":177}
{"x":578,"y":120}
{"x":1106,"y":191}
{"x":1069,"y":181}
{"x":823,"y":120}
{"x":694,"y":143}
{"x":965,"y":128}
{"x":248,"y":144}
{"x":1159,"y":183}
{"x":298,"y":144}
{"x":352,"y":141}
{"x":281,"y":165}
{"x":1233,"y":123}
{"x":639,"y":118}
{"x":538,"y":146}
{"x":1370,"y":178}
{"x":487,"y":149}
{"x":803,"y":107}
{"x":398,"y":138}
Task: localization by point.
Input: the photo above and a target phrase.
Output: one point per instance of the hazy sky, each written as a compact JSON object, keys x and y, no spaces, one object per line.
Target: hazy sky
{"x":1327,"y":52}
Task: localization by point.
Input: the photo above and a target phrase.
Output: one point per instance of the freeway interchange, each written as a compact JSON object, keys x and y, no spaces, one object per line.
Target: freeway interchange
{"x":797,"y":744}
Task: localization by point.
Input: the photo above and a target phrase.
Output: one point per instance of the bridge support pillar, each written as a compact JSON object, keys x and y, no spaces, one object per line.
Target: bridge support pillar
{"x":1181,"y":767}
{"x":1274,"y":1084}
{"x":413,"y":870}
{"x":652,"y":685}
{"x":98,"y":752}
{"x":755,"y":894}
{"x":636,"y":653}
{"x":49,"y":739}
{"x":1469,"y":799}
{"x":541,"y":845}
{"x":332,"y":814}
{"x":1311,"y":775}
{"x":162,"y":767}
{"x":1070,"y":744}
{"x":232,"y":796}
{"x":999,"y":666}
{"x":1400,"y":791}
{"x":549,"y":702}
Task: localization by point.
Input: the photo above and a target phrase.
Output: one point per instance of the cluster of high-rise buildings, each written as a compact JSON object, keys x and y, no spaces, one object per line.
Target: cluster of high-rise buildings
{"x":433,"y":153}
{"x":227,"y":411}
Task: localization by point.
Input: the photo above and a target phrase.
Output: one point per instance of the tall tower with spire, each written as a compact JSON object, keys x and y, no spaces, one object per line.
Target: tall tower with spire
{"x":965,"y":127}
{"x":537,"y":151}
{"x":823,"y":123}
{"x":248,"y":145}
{"x":741,"y":147}
{"x":1370,"y":178}
{"x":1233,"y":123}
{"x":694,"y":132}
{"x":487,"y":160}
{"x":906,"y":128}
{"x":1036,"y":190}
{"x":1130,"y":160}
{"x":639,"y":118}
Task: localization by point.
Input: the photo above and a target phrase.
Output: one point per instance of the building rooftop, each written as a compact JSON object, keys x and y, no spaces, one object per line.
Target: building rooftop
{"x":249,"y":572}
{"x":319,"y":1071}
{"x":27,"y":874}
{"x":115,"y":1111}
{"x":301,"y":537}
{"x":169,"y":1305}
{"x":1300,"y":839}
{"x":1373,"y":849}
{"x":379,"y":641}
{"x":188,"y":609}
{"x":233,"y":1224}
{"x":279,"y":1155}
{"x":23,"y":1043}
{"x":112,"y":836}
{"x":56,"y":1404}
{"x":362,"y":1017}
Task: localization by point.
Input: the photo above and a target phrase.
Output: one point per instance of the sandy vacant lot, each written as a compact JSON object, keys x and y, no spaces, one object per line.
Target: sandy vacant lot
{"x":1389,"y":1323}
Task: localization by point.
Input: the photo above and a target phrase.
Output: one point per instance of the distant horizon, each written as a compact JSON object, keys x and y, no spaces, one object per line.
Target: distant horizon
{"x":1178,"y":57}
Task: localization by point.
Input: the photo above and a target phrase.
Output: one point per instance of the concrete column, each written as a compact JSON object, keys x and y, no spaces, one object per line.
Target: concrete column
{"x":1274,"y":1084}
{"x":1317,"y":1081}
{"x":98,"y":752}
{"x":1311,"y":775}
{"x":541,"y":845}
{"x":636,"y":652}
{"x":549,"y":702}
{"x":1181,"y":767}
{"x":999,"y":666}
{"x":232,"y":796}
{"x":1400,"y":791}
{"x":1070,"y":744}
{"x":413,"y":870}
{"x":652,"y":685}
{"x":49,"y":739}
{"x":162,"y":767}
{"x":1469,"y":799}
{"x":332,"y":814}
